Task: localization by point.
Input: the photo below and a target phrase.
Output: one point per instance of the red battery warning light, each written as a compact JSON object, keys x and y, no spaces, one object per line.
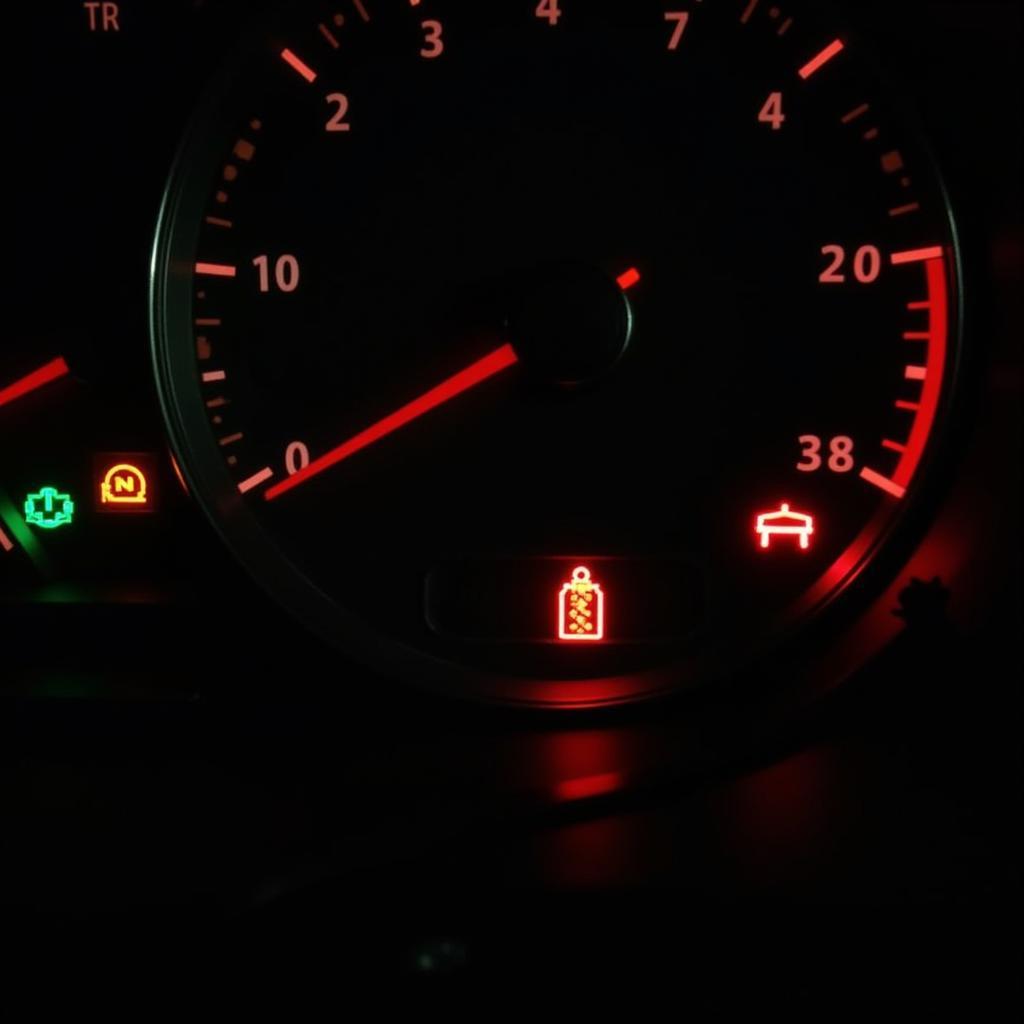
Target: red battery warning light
{"x":785,"y":523}
{"x":581,"y":608}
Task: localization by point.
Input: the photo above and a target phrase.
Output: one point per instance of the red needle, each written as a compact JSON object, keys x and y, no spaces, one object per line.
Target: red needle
{"x":500,"y":359}
{"x":50,"y":372}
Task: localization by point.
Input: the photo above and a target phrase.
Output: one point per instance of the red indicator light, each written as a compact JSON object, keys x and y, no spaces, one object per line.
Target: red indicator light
{"x":581,"y":608}
{"x":124,"y":482}
{"x":628,"y":279}
{"x":785,"y":523}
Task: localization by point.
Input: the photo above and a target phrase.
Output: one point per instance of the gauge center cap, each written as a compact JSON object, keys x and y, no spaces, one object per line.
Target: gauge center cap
{"x":570,"y":324}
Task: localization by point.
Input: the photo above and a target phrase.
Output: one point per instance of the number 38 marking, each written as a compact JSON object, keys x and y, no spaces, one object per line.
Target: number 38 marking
{"x":840,"y":454}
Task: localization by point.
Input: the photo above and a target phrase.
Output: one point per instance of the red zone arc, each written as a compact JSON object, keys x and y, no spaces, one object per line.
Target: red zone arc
{"x":851,"y":562}
{"x":931,"y":371}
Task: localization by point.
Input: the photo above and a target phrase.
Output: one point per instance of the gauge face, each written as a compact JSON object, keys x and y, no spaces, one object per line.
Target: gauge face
{"x":559,"y":352}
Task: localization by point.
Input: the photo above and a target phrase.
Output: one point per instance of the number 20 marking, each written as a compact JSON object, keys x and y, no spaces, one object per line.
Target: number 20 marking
{"x":867,"y":264}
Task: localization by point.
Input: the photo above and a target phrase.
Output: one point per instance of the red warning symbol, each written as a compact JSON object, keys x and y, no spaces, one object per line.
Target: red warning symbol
{"x":785,"y":523}
{"x":581,"y":608}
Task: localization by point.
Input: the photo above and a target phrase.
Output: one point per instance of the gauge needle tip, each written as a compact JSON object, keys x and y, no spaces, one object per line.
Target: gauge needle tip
{"x":628,"y":279}
{"x":52,"y":371}
{"x":470,"y":377}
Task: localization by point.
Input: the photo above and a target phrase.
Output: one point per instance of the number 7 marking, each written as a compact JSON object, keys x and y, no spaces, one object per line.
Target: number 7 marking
{"x":681,"y":19}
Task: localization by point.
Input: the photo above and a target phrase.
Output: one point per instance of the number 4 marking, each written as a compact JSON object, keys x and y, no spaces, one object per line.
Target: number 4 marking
{"x":681,"y":19}
{"x":771,"y":112}
{"x":550,"y":11}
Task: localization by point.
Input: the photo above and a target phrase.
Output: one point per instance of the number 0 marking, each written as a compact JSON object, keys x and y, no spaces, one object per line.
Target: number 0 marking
{"x":296,"y":458}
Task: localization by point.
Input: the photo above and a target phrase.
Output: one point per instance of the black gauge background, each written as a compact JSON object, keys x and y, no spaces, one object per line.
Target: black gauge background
{"x":161,"y":795}
{"x":252,"y":540}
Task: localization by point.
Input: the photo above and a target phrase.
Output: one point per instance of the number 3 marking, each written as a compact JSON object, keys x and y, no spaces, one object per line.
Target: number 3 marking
{"x":433,"y":45}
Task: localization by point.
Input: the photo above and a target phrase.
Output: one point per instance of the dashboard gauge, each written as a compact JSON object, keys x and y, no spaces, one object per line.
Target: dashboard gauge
{"x":555,"y":353}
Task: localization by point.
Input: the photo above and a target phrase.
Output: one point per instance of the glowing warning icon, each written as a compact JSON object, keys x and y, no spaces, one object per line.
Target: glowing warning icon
{"x":785,"y":523}
{"x":125,"y":482}
{"x":123,"y":485}
{"x":49,"y":509}
{"x":581,"y":608}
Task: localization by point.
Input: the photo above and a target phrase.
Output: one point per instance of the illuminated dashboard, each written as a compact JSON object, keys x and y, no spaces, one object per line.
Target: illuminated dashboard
{"x":545,"y":384}
{"x":423,"y":362}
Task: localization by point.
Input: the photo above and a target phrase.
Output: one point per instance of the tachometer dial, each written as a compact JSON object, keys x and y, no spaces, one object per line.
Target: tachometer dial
{"x":559,"y":352}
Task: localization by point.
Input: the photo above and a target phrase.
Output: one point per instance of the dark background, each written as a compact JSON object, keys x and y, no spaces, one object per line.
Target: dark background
{"x":863,"y":855}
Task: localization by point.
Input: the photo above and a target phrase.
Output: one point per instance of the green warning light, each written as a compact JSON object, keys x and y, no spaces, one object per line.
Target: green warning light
{"x":49,"y":509}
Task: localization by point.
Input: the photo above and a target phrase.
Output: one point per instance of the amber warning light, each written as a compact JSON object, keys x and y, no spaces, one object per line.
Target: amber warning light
{"x":125,"y":482}
{"x":581,"y":608}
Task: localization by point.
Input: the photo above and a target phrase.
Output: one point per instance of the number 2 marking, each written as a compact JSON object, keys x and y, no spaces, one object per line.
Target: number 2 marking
{"x":337,"y":123}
